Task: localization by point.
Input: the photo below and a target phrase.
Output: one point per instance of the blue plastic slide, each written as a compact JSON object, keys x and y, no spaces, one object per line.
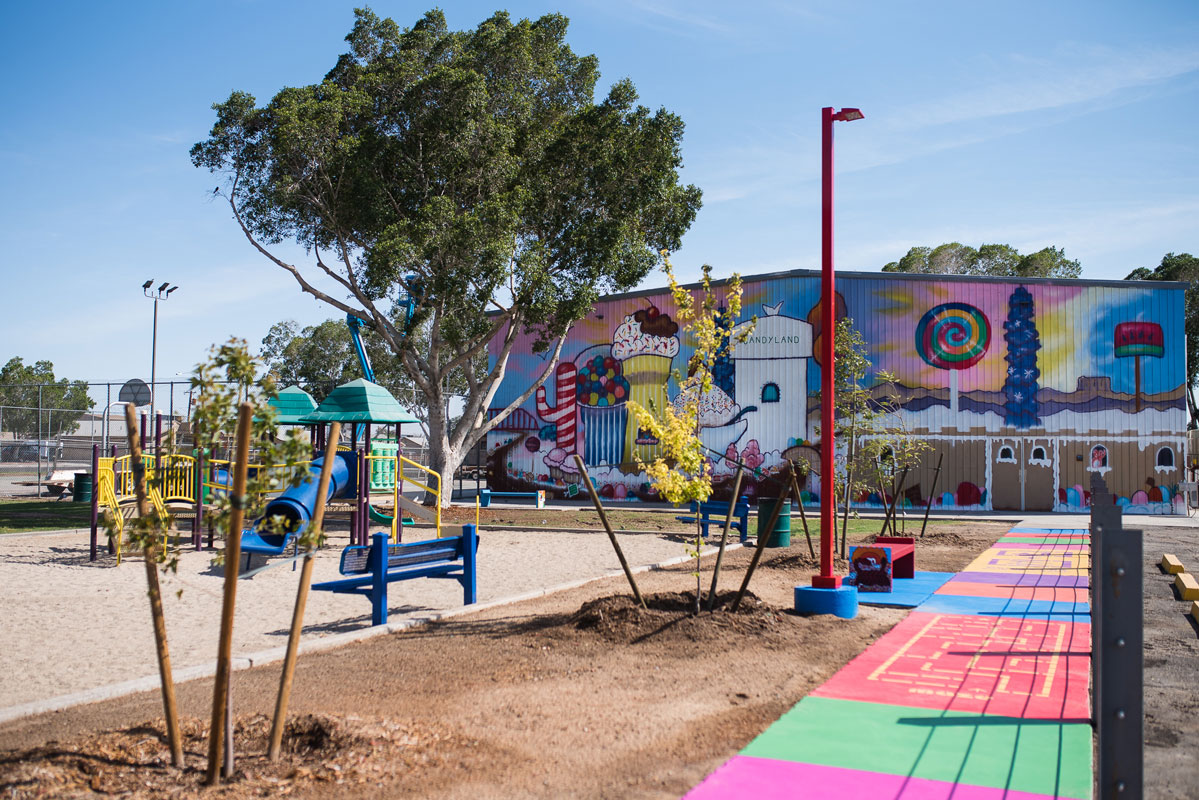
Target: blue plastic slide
{"x":296,"y":506}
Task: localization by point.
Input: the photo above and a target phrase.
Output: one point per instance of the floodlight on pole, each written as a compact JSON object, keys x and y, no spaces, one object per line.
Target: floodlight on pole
{"x":161,"y":293}
{"x":828,"y":322}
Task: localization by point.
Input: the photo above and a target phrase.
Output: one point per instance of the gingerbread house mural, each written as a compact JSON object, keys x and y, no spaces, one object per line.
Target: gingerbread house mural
{"x":1023,"y":388}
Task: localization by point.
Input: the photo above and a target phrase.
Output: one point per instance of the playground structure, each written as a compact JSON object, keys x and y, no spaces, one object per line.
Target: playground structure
{"x":187,"y":485}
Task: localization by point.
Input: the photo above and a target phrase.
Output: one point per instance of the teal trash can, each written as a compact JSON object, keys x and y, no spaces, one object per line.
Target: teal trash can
{"x":82,"y":492}
{"x":781,"y":535}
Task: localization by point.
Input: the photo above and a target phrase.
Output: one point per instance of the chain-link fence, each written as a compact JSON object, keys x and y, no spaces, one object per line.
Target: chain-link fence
{"x":43,"y":444}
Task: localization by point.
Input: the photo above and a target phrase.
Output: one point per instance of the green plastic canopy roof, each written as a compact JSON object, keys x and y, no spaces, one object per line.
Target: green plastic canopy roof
{"x":360,"y":401}
{"x":292,"y":405}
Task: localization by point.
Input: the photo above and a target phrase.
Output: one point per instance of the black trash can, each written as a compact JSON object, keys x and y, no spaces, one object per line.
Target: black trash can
{"x":781,"y":535}
{"x":83,"y":488}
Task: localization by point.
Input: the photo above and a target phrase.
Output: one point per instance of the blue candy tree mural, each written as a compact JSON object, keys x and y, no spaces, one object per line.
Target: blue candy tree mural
{"x":1023,"y":342}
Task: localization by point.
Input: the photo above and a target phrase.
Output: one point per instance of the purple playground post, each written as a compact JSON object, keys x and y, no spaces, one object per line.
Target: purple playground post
{"x":112,"y":452}
{"x":198,"y":522}
{"x":95,"y":496}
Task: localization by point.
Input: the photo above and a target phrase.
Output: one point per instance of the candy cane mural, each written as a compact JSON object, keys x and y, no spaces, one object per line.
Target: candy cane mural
{"x":563,"y":414}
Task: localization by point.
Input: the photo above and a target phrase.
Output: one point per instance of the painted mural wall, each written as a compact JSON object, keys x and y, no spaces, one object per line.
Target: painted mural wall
{"x":1024,"y":389}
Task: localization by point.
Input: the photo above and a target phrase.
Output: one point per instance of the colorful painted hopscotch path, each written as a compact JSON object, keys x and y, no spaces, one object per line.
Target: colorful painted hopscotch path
{"x":981,"y":693}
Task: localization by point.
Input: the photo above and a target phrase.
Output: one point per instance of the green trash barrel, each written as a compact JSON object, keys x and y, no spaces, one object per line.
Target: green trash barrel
{"x":781,"y":535}
{"x":83,"y":487}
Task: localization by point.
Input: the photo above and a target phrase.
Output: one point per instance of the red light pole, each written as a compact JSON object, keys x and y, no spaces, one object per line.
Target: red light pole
{"x":828,"y":322}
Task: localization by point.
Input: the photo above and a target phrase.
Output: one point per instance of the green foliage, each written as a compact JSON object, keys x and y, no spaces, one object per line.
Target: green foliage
{"x":1001,"y":260}
{"x":21,"y":401}
{"x":229,"y":377}
{"x":876,"y":445}
{"x":683,"y":472}
{"x":1181,"y":267}
{"x":479,"y":163}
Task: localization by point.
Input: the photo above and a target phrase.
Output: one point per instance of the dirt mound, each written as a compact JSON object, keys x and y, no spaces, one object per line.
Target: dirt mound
{"x":135,"y":762}
{"x":945,"y":539}
{"x":668,"y":617}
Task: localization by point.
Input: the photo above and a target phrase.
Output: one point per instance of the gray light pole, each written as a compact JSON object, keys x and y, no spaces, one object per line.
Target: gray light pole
{"x":161,"y":293}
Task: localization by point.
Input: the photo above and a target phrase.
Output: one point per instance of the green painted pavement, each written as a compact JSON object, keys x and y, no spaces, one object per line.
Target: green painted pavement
{"x":1040,"y":756}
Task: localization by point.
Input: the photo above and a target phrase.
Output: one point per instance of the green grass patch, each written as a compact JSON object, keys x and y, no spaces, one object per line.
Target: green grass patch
{"x":20,"y":516}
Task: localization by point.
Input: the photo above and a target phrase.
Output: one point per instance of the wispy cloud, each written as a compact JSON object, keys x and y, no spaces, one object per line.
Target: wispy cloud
{"x":1073,"y":75}
{"x":682,"y":14}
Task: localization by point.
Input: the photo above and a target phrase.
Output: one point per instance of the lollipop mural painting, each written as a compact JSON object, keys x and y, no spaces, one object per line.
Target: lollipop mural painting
{"x":953,"y":337}
{"x":1136,"y":339}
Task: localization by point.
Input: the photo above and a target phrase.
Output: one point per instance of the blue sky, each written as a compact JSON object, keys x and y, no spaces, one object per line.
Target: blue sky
{"x":1071,"y":124}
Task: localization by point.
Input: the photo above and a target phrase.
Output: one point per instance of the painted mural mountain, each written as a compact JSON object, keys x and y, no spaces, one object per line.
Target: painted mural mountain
{"x":1023,"y":389}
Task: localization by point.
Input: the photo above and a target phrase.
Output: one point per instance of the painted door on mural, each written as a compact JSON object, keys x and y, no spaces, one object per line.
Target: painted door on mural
{"x":1006,"y":475}
{"x":1037,"y":458}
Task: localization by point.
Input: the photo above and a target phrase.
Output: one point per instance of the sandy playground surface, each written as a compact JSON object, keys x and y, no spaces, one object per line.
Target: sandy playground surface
{"x":70,"y":624}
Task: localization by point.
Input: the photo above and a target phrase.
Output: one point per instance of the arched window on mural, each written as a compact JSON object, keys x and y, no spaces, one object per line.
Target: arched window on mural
{"x":1038,"y":453}
{"x":1007,"y":454}
{"x":1039,"y":456}
{"x":1165,"y":458}
{"x":770,"y":393}
{"x":1098,"y":458}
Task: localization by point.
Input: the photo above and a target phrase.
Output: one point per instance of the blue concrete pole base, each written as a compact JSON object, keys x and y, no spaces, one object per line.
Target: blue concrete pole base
{"x":842,"y":601}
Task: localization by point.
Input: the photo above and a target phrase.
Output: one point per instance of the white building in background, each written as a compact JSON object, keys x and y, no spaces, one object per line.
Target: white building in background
{"x":772,"y":376}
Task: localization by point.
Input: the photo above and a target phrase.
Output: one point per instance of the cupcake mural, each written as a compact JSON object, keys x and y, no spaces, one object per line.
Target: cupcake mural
{"x":602,"y":392}
{"x":647,"y":342}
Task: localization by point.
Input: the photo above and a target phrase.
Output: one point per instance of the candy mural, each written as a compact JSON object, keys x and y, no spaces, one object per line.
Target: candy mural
{"x":1015,"y":384}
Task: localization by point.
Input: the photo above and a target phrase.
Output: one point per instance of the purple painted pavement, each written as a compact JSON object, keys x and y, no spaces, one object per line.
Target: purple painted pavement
{"x":770,"y":779}
{"x":1016,"y":579}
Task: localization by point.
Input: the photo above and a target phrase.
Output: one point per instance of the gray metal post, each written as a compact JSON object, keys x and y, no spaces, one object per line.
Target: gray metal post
{"x":1117,"y":637}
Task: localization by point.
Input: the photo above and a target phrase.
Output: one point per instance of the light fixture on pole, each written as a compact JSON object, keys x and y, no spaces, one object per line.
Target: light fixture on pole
{"x":828,"y":321}
{"x":161,"y":293}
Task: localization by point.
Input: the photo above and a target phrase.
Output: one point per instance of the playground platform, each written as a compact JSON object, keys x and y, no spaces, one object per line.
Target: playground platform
{"x":981,"y":692}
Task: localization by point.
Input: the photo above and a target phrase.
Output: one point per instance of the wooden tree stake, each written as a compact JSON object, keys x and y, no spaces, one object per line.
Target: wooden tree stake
{"x":932,"y":493}
{"x":297,"y":617}
{"x":803,"y":517}
{"x":724,"y":536}
{"x":763,"y":536}
{"x":150,"y":554}
{"x":245,"y":419}
{"x":628,"y":573}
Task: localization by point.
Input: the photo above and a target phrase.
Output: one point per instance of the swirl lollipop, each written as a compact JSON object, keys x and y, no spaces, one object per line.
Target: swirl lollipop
{"x":953,"y":336}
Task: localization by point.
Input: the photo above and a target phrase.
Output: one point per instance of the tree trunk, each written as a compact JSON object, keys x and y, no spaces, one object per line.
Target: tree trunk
{"x":444,"y":460}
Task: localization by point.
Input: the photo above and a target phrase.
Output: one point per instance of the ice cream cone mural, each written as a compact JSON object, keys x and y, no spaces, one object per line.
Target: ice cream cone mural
{"x":602,"y":392}
{"x":646,"y":342}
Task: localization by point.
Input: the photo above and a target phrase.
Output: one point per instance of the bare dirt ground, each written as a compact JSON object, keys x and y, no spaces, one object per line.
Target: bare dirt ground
{"x":1171,"y":669}
{"x":576,"y":694}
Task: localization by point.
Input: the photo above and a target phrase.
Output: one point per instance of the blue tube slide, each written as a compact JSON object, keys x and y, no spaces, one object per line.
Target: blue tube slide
{"x":296,"y":505}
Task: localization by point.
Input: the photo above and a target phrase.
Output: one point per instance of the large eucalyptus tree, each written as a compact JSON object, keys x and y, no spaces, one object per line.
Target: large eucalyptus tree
{"x":471,"y":170}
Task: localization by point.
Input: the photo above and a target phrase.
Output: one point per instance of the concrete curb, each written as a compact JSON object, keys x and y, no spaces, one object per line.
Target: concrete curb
{"x":331,"y":642}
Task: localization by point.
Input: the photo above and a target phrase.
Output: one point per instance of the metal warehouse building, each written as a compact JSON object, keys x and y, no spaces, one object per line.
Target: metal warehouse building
{"x":1023,"y":387}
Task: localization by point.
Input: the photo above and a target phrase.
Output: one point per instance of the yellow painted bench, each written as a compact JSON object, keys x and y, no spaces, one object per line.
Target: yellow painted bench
{"x":1195,"y":609}
{"x":1171,"y":564}
{"x":1187,"y":586}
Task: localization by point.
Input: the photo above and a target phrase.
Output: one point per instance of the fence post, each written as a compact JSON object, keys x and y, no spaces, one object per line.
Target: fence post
{"x":1117,"y":635}
{"x":39,"y":442}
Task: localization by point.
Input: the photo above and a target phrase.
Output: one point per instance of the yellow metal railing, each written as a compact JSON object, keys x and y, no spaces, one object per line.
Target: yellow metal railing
{"x":403,"y":462}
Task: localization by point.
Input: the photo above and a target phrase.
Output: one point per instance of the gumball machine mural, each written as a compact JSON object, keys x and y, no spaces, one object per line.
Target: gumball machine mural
{"x":602,"y":392}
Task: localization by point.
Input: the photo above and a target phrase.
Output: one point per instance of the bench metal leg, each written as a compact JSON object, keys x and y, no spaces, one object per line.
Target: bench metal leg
{"x":378,"y":562}
{"x":470,"y":544}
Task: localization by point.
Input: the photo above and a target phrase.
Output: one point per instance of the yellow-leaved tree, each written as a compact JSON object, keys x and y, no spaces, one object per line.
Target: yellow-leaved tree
{"x":683,"y":471}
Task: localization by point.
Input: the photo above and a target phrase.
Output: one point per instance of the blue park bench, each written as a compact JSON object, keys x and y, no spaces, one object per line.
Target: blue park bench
{"x":713,"y":512}
{"x":537,"y":497}
{"x":381,"y":563}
